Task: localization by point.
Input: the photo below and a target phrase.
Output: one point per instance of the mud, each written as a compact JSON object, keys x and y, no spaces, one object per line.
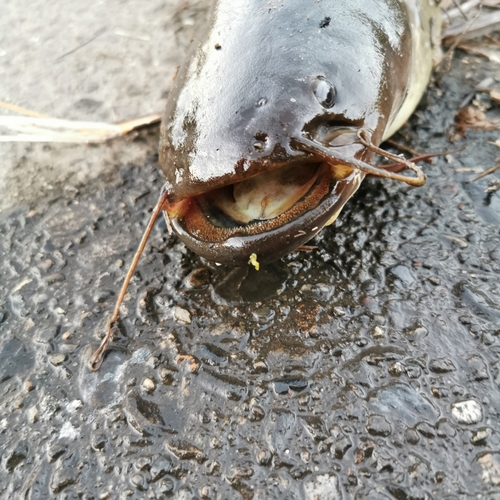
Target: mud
{"x":368,"y":368}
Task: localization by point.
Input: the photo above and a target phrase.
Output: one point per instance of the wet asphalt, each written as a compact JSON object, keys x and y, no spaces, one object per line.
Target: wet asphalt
{"x":368,"y":368}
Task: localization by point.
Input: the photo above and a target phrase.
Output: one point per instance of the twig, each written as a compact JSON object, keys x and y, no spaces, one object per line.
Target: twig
{"x":413,"y":152}
{"x":425,"y":157}
{"x":485,"y":173}
{"x":21,"y":111}
{"x":449,"y":53}
{"x":458,"y":8}
{"x":98,"y":33}
{"x":461,"y":243}
{"x":469,"y":169}
{"x":461,"y":10}
{"x":56,"y":130}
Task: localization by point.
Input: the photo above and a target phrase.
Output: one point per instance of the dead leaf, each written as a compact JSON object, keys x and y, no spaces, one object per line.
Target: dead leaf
{"x":495,"y":96}
{"x":470,"y":117}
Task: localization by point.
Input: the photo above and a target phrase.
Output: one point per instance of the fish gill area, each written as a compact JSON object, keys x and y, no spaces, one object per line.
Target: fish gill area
{"x":368,"y":367}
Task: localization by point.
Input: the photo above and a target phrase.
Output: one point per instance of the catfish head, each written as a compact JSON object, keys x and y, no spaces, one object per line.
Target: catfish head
{"x":272,"y":124}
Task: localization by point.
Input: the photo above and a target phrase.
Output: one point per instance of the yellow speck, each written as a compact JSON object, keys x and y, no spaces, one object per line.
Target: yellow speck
{"x":253,"y":260}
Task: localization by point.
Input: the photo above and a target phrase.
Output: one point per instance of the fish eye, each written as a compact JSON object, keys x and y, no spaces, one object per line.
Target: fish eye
{"x":324,"y":92}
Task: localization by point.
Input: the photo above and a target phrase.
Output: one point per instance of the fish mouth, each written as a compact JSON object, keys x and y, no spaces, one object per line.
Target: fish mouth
{"x":269,"y":214}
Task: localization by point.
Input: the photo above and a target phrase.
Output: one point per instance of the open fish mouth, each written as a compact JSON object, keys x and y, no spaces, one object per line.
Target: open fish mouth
{"x":269,"y":214}
{"x":258,"y":204}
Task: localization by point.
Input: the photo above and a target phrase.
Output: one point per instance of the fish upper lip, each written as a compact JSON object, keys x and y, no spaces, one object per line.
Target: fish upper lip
{"x":245,"y":168}
{"x":185,"y":184}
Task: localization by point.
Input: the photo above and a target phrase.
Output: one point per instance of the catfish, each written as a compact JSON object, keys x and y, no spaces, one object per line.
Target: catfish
{"x":276,"y":117}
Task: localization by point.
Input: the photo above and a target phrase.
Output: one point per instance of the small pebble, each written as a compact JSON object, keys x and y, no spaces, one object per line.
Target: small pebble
{"x":467,"y":412}
{"x":166,"y":486}
{"x":33,"y":414}
{"x":264,"y":457}
{"x":160,"y":467}
{"x":378,"y":426}
{"x":28,"y":386}
{"x":54,"y":278}
{"x":411,"y":436}
{"x":434,"y":280}
{"x":194,"y":364}
{"x":413,"y":371}
{"x":75,"y":405}
{"x":440,"y":392}
{"x":396,"y":369}
{"x":46,"y":335}
{"x":263,"y":314}
{"x":206,"y":492}
{"x":46,"y":264}
{"x":491,"y":469}
{"x":426,"y":430}
{"x":166,"y":375}
{"x":148,"y":385}
{"x":153,"y":361}
{"x":182,"y":315}
{"x":420,"y":331}
{"x":260,"y":367}
{"x":103,"y":295}
{"x":442,"y":365}
{"x":446,"y":429}
{"x":439,"y":476}
{"x":18,"y":403}
{"x":378,"y":332}
{"x":143,"y":463}
{"x":197,"y":278}
{"x":57,"y":359}
{"x":98,"y":442}
{"x":139,"y":482}
{"x":480,"y":437}
{"x":324,"y":486}
{"x":465,"y":320}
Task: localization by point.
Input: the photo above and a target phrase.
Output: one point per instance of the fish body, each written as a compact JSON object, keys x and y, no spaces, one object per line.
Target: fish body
{"x":264,"y":117}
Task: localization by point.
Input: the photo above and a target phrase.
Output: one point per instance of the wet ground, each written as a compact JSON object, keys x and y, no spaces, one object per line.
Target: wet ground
{"x":368,"y":368}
